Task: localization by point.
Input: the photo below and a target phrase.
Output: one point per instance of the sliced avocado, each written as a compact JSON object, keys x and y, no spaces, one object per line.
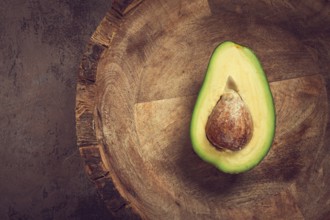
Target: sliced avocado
{"x":235,"y":70}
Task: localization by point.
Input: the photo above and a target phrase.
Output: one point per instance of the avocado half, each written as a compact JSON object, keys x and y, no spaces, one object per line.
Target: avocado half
{"x":238,"y":63}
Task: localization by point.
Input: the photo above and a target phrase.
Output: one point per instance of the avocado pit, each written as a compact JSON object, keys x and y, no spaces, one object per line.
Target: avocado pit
{"x":229,"y":125}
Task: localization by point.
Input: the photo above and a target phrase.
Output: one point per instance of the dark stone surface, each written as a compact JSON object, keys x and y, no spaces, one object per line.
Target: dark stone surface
{"x":42,"y":43}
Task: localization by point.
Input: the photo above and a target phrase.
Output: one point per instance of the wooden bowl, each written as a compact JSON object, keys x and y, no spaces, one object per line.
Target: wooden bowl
{"x":137,"y":86}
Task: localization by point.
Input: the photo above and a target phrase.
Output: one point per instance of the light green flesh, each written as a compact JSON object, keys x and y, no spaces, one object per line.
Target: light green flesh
{"x":239,"y":63}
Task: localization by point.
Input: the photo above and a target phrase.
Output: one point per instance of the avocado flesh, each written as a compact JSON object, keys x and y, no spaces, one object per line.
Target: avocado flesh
{"x":230,"y":60}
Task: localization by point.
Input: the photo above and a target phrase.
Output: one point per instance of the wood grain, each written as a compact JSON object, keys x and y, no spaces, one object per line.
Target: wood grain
{"x":169,"y":155}
{"x":136,"y":89}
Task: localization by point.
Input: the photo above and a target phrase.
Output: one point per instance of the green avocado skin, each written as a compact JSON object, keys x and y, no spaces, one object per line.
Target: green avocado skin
{"x":241,"y":63}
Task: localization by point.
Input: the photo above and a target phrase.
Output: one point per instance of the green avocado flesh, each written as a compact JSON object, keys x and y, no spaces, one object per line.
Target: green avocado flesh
{"x":237,"y":63}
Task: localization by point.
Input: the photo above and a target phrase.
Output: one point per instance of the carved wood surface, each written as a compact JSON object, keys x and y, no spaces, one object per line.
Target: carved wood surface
{"x":137,"y":85}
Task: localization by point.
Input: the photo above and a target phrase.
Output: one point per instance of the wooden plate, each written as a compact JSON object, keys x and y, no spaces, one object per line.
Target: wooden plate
{"x":137,"y":86}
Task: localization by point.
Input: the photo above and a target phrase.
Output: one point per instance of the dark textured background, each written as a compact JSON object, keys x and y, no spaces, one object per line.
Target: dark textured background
{"x":41,"y":172}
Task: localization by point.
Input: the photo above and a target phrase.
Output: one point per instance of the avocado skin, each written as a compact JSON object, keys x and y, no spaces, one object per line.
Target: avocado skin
{"x":233,"y":60}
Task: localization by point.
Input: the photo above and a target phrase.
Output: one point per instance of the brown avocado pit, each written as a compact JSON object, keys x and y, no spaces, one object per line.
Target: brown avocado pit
{"x":229,"y":125}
